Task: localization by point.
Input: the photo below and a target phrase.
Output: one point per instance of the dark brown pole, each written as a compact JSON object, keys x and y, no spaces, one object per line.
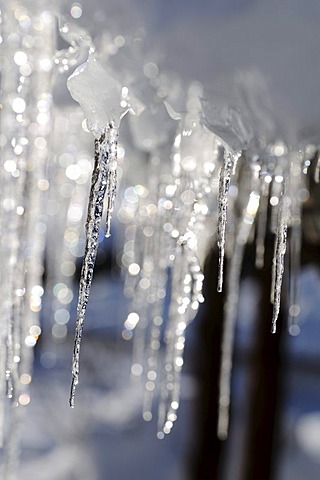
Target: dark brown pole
{"x":207,"y":459}
{"x":266,"y":372}
{"x":265,"y":394}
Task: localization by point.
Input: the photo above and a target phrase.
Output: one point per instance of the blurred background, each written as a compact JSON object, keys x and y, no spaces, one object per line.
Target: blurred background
{"x":275,"y":405}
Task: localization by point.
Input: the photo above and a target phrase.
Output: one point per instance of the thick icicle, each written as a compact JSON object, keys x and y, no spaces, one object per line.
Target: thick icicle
{"x":233,"y":286}
{"x":104,"y":166}
{"x":278,"y":260}
{"x":224,"y":183}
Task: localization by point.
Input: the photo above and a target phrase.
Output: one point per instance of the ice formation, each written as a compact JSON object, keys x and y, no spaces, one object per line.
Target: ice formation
{"x":182,"y":180}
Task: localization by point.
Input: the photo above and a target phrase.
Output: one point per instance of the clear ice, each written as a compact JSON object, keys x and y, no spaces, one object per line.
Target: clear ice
{"x":224,"y":184}
{"x":102,"y":184}
{"x":177,"y":200}
{"x":278,"y":260}
{"x":230,"y":311}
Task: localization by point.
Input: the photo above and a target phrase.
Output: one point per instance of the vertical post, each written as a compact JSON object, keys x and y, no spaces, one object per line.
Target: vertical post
{"x":265,"y":393}
{"x":207,"y":462}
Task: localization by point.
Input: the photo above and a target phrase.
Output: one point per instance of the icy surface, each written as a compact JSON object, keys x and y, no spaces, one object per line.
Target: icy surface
{"x":101,"y":95}
{"x":102,"y":183}
{"x":98,"y":93}
{"x":224,"y":184}
{"x":231,"y":310}
{"x":278,"y":262}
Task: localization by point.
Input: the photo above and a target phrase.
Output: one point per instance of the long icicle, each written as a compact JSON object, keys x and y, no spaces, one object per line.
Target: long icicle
{"x":278,"y":259}
{"x":262,"y":221}
{"x":294,"y":243}
{"x":233,"y":284}
{"x":105,"y":159}
{"x":224,"y":184}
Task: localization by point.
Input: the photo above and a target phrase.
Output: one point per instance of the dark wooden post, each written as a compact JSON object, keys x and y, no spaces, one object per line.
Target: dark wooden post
{"x":207,"y":462}
{"x":266,"y":372}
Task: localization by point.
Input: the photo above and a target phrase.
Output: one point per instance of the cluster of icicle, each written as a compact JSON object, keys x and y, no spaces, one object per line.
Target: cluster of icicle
{"x":25,"y":131}
{"x":199,"y":167}
{"x":195,"y":144}
{"x":175,"y":219}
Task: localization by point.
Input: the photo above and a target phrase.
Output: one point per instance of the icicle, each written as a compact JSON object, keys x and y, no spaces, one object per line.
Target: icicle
{"x":189,"y":201}
{"x":153,"y":359}
{"x":233,"y":286}
{"x":158,"y":280}
{"x":101,"y":97}
{"x":13,"y":447}
{"x":295,"y":241}
{"x":12,"y":194}
{"x":185,"y":298}
{"x":262,"y":221}
{"x":174,"y":341}
{"x":138,"y":321}
{"x":278,"y":260}
{"x":104,"y":164}
{"x":295,"y":252}
{"x":317,"y":169}
{"x":143,"y":296}
{"x":27,"y":94}
{"x":224,"y":183}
